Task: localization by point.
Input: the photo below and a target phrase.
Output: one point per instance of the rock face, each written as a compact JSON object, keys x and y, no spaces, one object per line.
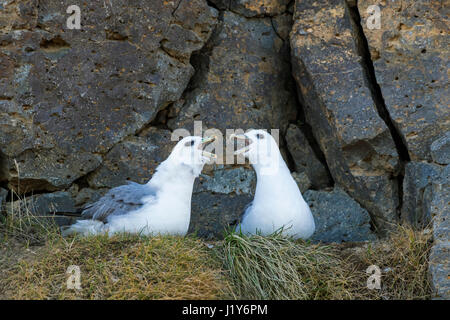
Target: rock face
{"x":302,"y":181}
{"x":338,"y":217}
{"x":223,"y":180}
{"x":87,"y":110}
{"x":219,"y":200}
{"x":69,"y":96}
{"x":409,"y":54}
{"x":44,"y":206}
{"x":3,"y":195}
{"x":304,"y":158}
{"x":439,"y":261}
{"x":417,"y":191}
{"x":440,"y":149}
{"x":134,"y":159}
{"x":242,"y":80}
{"x":338,"y":103}
{"x":253,"y":8}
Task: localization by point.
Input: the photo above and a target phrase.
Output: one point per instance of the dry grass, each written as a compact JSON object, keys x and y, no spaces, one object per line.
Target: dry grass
{"x":276,"y":268}
{"x":34,"y":259}
{"x":403,"y":259}
{"x":121,"y":267}
{"x":21,"y":225}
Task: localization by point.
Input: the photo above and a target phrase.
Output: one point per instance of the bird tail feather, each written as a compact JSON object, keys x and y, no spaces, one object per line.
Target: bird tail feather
{"x":85,"y":227}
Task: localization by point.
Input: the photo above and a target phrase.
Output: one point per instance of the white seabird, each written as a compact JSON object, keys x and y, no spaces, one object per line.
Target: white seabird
{"x":278,"y":203}
{"x":161,"y":206}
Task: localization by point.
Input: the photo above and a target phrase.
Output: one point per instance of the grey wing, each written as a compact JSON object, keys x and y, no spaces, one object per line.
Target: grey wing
{"x":119,"y":201}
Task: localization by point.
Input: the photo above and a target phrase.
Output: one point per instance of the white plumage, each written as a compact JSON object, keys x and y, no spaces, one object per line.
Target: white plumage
{"x":278,"y":203}
{"x":161,"y":206}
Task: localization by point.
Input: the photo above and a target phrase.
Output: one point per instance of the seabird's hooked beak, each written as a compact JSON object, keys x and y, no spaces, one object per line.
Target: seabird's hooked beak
{"x":204,"y":142}
{"x":247,"y":140}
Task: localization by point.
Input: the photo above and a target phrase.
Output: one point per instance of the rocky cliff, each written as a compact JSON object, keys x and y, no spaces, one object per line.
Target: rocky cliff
{"x":363,"y":112}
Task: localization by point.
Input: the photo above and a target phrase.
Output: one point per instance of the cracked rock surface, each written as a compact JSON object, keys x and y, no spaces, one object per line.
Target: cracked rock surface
{"x":410,"y":57}
{"x":69,"y":96}
{"x":255,"y":93}
{"x":357,"y":144}
{"x":338,"y":217}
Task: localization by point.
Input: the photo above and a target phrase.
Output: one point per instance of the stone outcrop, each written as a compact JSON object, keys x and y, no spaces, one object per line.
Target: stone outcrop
{"x":302,"y":181}
{"x":338,"y":217}
{"x":87,"y":110}
{"x":439,"y":260}
{"x":339,"y":106}
{"x":253,"y":8}
{"x":43,"y":207}
{"x":417,"y":192}
{"x":304,"y":158}
{"x":242,"y":78}
{"x":134,"y":159}
{"x":409,"y":55}
{"x":242,"y":81}
{"x":69,"y":96}
{"x":219,"y":200}
{"x":3,"y":195}
{"x":440,"y":149}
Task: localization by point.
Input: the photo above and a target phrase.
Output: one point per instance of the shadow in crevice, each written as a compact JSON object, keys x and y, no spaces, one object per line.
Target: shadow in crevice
{"x":54,"y":44}
{"x":362,"y":46}
{"x":308,"y":132}
{"x":369,"y":73}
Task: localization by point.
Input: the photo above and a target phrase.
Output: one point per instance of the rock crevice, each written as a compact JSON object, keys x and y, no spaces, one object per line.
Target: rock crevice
{"x":369,"y":70}
{"x":339,"y":106}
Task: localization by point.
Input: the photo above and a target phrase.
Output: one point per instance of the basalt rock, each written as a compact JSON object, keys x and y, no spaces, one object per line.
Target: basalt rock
{"x":302,"y":181}
{"x":439,"y":260}
{"x":238,"y":180}
{"x":417,"y":192}
{"x":134,"y":159}
{"x":339,"y":106}
{"x":304,"y":158}
{"x":338,"y":217}
{"x":68,"y":96}
{"x":410,"y":55}
{"x":82,"y":111}
{"x":440,"y":206}
{"x":253,"y":8}
{"x":440,"y":149}
{"x":219,"y":200}
{"x":3,"y":195}
{"x":44,"y":206}
{"x":242,"y":79}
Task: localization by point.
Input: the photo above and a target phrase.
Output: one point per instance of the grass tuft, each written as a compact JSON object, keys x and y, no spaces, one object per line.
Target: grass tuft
{"x":19,"y":223}
{"x":403,"y":260}
{"x":274,"y":267}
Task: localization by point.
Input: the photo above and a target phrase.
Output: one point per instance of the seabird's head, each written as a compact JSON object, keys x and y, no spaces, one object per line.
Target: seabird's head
{"x":259,"y":147}
{"x":189,"y":152}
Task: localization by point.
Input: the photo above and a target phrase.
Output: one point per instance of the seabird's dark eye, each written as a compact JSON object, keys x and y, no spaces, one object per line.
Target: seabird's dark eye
{"x":259,"y":136}
{"x":189,"y":143}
